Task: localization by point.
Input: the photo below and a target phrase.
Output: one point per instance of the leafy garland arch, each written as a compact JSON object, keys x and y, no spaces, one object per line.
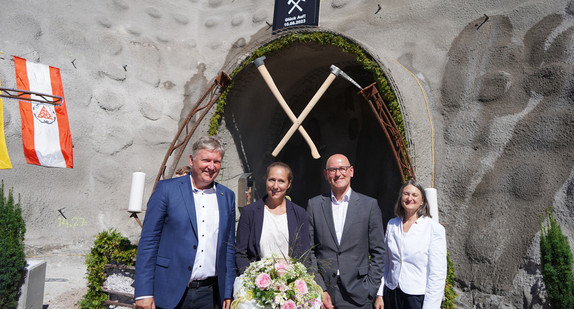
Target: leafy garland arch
{"x":322,"y":38}
{"x":370,"y":65}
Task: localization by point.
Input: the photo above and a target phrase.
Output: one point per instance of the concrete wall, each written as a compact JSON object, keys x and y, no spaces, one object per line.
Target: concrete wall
{"x":32,"y":291}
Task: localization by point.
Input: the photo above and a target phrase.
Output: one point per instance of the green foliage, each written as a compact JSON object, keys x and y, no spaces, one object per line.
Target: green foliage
{"x":449,"y":293}
{"x":322,"y":38}
{"x":12,"y":257}
{"x":109,"y":246}
{"x":556,"y":259}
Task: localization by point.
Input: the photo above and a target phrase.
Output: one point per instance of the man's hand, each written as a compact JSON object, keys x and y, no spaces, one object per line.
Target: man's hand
{"x":145,"y":303}
{"x":327,"y":301}
{"x":226,"y":303}
{"x":379,"y":303}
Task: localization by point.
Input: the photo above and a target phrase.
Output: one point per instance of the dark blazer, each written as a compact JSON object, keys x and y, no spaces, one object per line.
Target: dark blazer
{"x":168,"y":243}
{"x":249,"y":234}
{"x":360,"y":256}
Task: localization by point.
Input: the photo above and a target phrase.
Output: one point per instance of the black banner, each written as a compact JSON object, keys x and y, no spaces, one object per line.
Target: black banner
{"x":295,"y":13}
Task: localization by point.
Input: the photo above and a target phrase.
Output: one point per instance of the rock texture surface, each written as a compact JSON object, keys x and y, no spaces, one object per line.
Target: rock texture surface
{"x":506,"y":142}
{"x":496,"y":139}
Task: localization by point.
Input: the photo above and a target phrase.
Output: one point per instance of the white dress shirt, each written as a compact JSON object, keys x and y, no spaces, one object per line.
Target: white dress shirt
{"x":340,"y":212}
{"x":274,"y":235}
{"x":416,"y":261}
{"x":207,"y":215}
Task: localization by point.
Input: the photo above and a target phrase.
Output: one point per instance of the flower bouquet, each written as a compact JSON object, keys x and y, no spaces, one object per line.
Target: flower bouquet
{"x":276,"y":283}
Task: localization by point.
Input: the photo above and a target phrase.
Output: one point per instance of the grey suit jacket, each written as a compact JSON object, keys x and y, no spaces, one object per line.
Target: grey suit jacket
{"x":363,"y":236}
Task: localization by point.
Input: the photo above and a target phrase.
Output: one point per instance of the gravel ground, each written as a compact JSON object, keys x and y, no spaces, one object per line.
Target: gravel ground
{"x":120,"y":283}
{"x":65,"y":283}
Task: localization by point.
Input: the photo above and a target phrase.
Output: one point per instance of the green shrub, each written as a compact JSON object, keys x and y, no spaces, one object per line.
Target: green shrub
{"x":449,"y":293}
{"x":109,"y":246}
{"x":12,"y":257}
{"x":556,"y":259}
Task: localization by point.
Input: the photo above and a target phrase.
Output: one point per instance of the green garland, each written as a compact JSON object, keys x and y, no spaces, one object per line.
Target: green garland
{"x":322,"y":38}
{"x":449,"y":292}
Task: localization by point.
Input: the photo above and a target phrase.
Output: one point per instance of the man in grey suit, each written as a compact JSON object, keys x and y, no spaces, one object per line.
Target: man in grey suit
{"x":346,"y":229}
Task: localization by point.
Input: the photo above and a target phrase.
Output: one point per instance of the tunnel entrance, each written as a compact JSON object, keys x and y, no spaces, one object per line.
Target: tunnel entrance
{"x":341,"y":122}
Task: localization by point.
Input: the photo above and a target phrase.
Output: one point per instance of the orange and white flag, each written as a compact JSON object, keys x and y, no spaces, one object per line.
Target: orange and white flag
{"x":45,"y":129}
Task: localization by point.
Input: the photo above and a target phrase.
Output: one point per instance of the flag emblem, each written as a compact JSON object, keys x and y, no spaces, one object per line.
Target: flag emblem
{"x":44,"y":114}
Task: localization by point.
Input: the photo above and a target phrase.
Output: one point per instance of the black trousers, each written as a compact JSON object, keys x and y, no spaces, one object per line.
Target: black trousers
{"x":397,"y":299}
{"x":200,"y":297}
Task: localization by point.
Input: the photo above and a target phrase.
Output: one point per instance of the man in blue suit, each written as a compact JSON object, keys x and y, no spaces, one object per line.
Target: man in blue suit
{"x":186,"y":254}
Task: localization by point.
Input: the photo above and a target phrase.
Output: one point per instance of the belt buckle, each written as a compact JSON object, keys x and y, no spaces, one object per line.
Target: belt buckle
{"x":199,"y":283}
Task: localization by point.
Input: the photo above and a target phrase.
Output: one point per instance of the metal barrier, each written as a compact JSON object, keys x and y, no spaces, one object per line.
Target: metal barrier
{"x":371,"y":94}
{"x":217,"y":87}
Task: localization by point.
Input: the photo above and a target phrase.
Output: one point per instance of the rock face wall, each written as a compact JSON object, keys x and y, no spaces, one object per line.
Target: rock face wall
{"x":507,"y":149}
{"x":500,"y":95}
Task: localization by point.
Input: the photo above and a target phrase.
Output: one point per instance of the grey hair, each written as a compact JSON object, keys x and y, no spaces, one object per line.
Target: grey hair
{"x":210,"y":143}
{"x":424,"y":209}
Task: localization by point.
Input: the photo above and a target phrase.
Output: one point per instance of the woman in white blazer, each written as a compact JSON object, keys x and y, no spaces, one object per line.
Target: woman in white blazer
{"x":415,"y":266}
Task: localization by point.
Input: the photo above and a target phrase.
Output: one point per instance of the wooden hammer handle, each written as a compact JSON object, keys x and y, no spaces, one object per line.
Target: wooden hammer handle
{"x":271,"y":84}
{"x":297,"y":122}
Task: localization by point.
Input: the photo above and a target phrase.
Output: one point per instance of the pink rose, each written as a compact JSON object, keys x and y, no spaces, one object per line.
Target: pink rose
{"x":277,"y":286}
{"x":301,"y":286}
{"x":289,"y":305}
{"x":262,"y":281}
{"x":281,"y":267}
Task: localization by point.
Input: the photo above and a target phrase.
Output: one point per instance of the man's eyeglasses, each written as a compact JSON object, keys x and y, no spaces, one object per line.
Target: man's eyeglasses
{"x":341,"y":169}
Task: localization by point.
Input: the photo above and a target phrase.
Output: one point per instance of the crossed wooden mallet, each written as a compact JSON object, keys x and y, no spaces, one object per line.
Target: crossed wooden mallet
{"x":297,"y":121}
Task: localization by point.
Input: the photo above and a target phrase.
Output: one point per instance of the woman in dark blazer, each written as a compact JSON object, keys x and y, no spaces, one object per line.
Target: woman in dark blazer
{"x":273,"y":225}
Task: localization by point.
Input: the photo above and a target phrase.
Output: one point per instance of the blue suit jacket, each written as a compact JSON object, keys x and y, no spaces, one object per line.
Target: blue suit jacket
{"x":168,"y":243}
{"x":249,"y":234}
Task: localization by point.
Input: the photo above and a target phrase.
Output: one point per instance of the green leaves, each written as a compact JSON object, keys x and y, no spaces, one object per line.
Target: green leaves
{"x":449,"y":293}
{"x":556,"y":260}
{"x":109,"y":246}
{"x":12,"y":257}
{"x":322,"y":38}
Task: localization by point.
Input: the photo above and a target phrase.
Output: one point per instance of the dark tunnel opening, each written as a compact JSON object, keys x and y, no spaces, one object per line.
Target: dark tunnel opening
{"x":341,"y":122}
